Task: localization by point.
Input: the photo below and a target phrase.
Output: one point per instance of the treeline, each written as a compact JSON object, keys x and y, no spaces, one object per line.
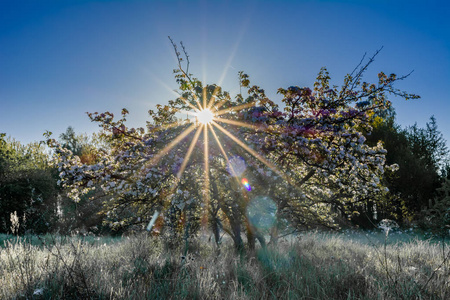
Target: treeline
{"x":420,"y":184}
{"x":32,"y":202}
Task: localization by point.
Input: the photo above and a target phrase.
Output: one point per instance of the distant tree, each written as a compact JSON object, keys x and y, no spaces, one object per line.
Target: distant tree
{"x":421,"y":154}
{"x":70,"y":140}
{"x":428,"y":146}
{"x":27,"y":187}
{"x":445,"y":170}
{"x":436,"y":216}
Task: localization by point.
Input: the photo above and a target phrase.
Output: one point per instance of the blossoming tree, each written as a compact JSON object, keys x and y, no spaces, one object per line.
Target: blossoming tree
{"x":302,"y":161}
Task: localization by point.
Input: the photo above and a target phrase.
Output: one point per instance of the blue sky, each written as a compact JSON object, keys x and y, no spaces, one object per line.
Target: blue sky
{"x":61,"y":59}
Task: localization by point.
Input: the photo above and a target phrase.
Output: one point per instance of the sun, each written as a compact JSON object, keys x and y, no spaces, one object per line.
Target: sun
{"x":205,"y":116}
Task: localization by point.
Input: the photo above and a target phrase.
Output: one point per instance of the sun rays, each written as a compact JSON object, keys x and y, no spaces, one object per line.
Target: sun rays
{"x":206,"y":118}
{"x":207,"y":107}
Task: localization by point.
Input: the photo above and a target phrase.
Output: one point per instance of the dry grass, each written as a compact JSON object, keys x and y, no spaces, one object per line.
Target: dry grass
{"x":310,"y":266}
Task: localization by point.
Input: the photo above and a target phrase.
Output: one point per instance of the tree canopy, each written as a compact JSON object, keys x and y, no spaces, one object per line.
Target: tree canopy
{"x":303,"y":161}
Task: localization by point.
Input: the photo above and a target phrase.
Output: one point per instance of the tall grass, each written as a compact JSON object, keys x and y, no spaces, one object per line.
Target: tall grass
{"x":309,"y":266}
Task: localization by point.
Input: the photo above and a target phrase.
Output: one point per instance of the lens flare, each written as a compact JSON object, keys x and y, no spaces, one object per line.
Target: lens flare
{"x":153,"y":220}
{"x":261,"y":212}
{"x":236,"y":166}
{"x":246,"y":184}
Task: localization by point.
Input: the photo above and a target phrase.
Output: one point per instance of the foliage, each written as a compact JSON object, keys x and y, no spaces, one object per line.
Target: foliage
{"x":84,"y":215}
{"x":27,"y":187}
{"x":437,"y":216}
{"x":428,"y":144}
{"x":430,"y":151}
{"x":421,"y":154}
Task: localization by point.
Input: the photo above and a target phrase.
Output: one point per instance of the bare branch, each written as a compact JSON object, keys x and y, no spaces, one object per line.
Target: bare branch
{"x":180,"y":59}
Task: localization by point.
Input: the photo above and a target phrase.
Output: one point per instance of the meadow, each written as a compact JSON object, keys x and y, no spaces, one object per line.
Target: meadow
{"x":312,"y":265}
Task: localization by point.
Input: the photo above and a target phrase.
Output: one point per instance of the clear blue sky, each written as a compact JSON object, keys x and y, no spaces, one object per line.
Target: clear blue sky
{"x":60,"y":59}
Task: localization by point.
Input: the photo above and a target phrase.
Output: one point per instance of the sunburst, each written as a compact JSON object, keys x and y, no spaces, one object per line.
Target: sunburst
{"x":206,"y":118}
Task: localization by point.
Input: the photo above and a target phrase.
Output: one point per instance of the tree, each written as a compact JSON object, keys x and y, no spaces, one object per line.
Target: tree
{"x":308,"y":159}
{"x":71,"y":141}
{"x":86,"y":214}
{"x":428,"y":144}
{"x":27,"y":187}
{"x":389,"y":205}
{"x":421,"y":155}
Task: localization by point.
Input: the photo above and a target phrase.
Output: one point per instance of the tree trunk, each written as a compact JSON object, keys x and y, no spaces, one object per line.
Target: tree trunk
{"x":237,"y":239}
{"x":250,"y":237}
{"x":274,"y":234}
{"x":216,"y":232}
{"x":252,"y":234}
{"x":261,"y":239}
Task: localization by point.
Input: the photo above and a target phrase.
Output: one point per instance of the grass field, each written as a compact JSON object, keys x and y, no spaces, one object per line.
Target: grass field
{"x":348,"y":265}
